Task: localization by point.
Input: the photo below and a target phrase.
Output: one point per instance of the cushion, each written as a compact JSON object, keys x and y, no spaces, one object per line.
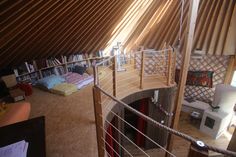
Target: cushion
{"x":27,"y":88}
{"x":15,"y":112}
{"x":79,"y":69}
{"x":197,"y":78}
{"x":50,"y":81}
{"x":64,"y":89}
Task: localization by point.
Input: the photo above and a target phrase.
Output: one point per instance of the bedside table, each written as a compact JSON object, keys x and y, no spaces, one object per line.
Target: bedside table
{"x":215,"y":123}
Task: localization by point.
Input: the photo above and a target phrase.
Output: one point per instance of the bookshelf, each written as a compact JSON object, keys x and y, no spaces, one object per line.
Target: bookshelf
{"x":31,"y":71}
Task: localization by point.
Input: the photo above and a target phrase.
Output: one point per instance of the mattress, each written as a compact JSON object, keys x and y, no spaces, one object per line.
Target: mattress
{"x":64,"y":89}
{"x":85,"y":82}
{"x":78,"y":80}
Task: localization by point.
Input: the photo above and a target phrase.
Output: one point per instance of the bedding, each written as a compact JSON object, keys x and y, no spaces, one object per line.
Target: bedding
{"x":79,"y":69}
{"x":64,"y":89}
{"x":77,"y":79}
{"x":50,"y":81}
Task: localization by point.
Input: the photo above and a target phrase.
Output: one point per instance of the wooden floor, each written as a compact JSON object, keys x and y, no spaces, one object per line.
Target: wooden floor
{"x":128,"y":81}
{"x":70,"y":125}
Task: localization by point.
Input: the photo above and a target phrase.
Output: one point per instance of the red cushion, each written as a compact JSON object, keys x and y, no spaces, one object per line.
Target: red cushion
{"x":27,"y":88}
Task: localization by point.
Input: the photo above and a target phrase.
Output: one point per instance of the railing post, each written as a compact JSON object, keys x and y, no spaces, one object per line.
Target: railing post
{"x":195,"y":152}
{"x":169,"y":68}
{"x":114,"y":75}
{"x":173,"y":66}
{"x":135,"y":60}
{"x":95,"y":75}
{"x":142,"y":68}
{"x":98,"y":121}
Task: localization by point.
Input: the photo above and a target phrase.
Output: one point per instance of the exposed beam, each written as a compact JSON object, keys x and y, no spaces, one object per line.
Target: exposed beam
{"x":192,"y":17}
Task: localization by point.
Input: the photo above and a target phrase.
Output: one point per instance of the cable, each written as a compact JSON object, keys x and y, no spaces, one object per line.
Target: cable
{"x":110,"y":146}
{"x":117,"y":142}
{"x":142,"y":133}
{"x":126,"y":137}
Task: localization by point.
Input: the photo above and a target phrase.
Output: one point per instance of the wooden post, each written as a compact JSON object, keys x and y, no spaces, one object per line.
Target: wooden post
{"x":95,"y":75}
{"x":135,"y":60}
{"x":232,"y":142}
{"x":98,"y":120}
{"x":230,"y":70}
{"x":142,"y":69}
{"x":192,"y":17}
{"x":174,"y":65}
{"x":40,"y":74}
{"x":169,"y":68}
{"x":114,"y":75}
{"x":195,"y":152}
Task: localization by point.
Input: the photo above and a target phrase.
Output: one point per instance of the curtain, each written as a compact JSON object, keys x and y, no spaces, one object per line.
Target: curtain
{"x":141,"y":123}
{"x":112,"y":144}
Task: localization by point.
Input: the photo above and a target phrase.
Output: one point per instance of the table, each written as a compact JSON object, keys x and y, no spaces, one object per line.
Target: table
{"x":197,"y":106}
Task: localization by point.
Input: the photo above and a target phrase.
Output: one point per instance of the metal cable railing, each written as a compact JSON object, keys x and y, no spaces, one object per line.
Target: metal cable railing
{"x":195,"y":142}
{"x":106,"y":96}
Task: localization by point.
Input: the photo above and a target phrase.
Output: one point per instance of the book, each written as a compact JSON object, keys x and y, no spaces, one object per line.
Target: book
{"x":18,"y":149}
{"x":16,"y":72}
{"x":27,"y":67}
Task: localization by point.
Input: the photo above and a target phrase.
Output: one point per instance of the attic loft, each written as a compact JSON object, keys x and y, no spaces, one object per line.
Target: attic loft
{"x":118,"y":78}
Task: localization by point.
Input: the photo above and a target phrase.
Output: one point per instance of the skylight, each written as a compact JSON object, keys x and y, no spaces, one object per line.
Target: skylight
{"x":132,"y":18}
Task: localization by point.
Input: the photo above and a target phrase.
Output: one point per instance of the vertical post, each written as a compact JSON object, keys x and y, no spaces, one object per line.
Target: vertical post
{"x":64,"y":61}
{"x":142,"y":69}
{"x":40,"y":74}
{"x":173,"y":66}
{"x":192,"y":17}
{"x":230,"y":70}
{"x":195,"y":152}
{"x":169,"y":67}
{"x":114,"y":75}
{"x":95,"y":75}
{"x":98,"y":120}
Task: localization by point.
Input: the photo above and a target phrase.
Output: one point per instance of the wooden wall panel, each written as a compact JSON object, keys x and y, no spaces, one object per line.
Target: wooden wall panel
{"x":215,"y":21}
{"x":40,"y":29}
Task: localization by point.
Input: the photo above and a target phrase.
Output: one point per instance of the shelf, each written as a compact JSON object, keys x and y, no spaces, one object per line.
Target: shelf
{"x":62,"y":64}
{"x":27,"y":73}
{"x":52,"y":66}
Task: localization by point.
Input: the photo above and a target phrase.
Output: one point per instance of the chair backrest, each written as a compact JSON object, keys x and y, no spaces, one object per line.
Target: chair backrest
{"x":10,"y":80}
{"x":225,"y":97}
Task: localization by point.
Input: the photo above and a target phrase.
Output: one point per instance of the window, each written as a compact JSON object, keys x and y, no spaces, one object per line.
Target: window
{"x":233,"y":82}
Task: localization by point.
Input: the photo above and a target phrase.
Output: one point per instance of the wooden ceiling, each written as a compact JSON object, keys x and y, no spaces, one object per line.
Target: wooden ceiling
{"x":40,"y":29}
{"x":215,"y":32}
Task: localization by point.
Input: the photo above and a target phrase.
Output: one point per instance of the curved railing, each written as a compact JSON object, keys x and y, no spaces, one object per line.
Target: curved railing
{"x":114,"y":82}
{"x":143,"y":69}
